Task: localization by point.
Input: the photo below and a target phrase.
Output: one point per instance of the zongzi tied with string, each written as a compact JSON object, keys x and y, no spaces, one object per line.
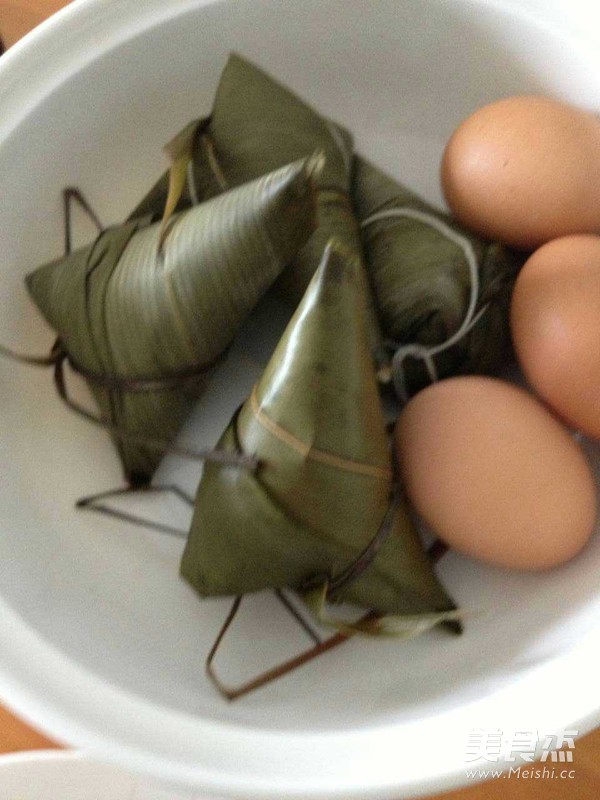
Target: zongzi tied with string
{"x":322,"y":514}
{"x":258,"y":125}
{"x":143,"y":313}
{"x":441,"y":292}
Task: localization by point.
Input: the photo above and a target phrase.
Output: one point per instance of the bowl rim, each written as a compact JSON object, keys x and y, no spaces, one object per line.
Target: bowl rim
{"x":76,"y":707}
{"x":61,"y":767}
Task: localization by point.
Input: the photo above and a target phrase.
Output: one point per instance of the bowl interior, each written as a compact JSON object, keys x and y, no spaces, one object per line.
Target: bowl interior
{"x":103,"y":596}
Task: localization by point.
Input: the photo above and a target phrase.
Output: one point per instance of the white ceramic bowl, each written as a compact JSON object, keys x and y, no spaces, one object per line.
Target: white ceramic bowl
{"x":100,"y":643}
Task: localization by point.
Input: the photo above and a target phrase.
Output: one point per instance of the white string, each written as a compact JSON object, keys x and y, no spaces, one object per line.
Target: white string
{"x":427,"y":352}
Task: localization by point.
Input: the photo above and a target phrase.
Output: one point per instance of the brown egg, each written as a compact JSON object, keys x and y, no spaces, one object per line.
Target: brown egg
{"x":494,"y":474}
{"x":525,"y":170}
{"x":555,"y":324}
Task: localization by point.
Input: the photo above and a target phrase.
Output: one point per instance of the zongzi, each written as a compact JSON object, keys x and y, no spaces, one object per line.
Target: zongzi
{"x":441,"y":292}
{"x":143,"y":313}
{"x":312,"y":516}
{"x":257,"y":125}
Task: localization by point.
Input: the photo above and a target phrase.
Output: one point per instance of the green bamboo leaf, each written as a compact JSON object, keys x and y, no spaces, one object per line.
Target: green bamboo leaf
{"x":125,"y":307}
{"x":316,"y":425}
{"x":258,"y":125}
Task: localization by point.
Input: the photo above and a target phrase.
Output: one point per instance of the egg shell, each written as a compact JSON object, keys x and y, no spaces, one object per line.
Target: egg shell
{"x":524,"y":170}
{"x":494,"y":473}
{"x":555,"y":325}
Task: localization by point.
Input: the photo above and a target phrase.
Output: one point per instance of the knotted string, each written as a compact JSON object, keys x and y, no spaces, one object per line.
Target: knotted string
{"x":367,"y":622}
{"x":58,"y":356}
{"x":147,"y":383}
{"x":417,"y":350}
{"x":156,"y":443}
{"x":33,"y":361}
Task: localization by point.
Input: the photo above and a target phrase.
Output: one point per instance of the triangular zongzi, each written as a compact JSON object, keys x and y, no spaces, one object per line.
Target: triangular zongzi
{"x":257,"y":125}
{"x":133,"y":308}
{"x":325,"y":484}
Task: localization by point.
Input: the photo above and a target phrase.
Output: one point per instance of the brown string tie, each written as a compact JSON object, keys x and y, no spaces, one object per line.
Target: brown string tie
{"x":217,"y":456}
{"x":363,"y":561}
{"x":50,"y":360}
{"x":146,"y":383}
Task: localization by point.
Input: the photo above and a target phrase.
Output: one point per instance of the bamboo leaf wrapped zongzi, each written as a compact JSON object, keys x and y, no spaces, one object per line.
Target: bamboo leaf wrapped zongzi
{"x":441,"y":292}
{"x":128,"y":310}
{"x":313,"y":513}
{"x":258,"y":125}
